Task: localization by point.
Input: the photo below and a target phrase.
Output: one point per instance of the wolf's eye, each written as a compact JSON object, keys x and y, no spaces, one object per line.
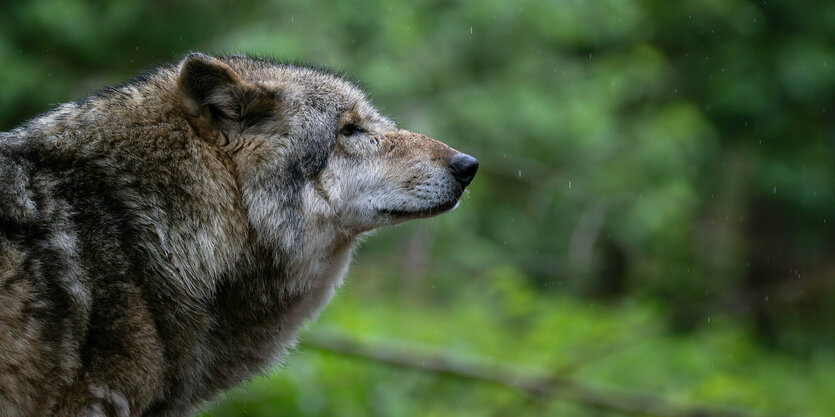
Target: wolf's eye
{"x":351,"y":129}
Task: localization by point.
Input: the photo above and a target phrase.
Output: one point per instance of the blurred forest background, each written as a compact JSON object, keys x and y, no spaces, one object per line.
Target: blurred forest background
{"x":651,"y":229}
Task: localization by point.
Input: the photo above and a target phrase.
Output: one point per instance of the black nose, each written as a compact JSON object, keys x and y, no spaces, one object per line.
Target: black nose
{"x":463,"y":168}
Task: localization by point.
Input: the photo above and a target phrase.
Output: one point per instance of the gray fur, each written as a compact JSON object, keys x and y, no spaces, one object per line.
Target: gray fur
{"x":164,"y":240}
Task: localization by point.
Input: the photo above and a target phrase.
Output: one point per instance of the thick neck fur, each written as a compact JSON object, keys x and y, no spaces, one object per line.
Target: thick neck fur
{"x":285,"y":245}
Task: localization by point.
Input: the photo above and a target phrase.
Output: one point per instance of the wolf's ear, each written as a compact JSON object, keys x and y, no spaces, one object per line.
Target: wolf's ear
{"x":218,"y":103}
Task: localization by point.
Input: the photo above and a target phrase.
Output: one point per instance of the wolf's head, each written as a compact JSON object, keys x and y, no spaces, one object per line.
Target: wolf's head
{"x":309,"y":140}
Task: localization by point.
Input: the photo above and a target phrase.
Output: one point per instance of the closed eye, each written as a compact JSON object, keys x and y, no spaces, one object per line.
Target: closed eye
{"x":351,"y":129}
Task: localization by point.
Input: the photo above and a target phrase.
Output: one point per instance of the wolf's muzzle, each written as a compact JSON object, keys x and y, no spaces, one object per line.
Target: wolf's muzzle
{"x":463,"y":168}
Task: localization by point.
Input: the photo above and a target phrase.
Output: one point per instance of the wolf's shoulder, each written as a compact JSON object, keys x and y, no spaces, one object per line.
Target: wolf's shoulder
{"x":16,"y":200}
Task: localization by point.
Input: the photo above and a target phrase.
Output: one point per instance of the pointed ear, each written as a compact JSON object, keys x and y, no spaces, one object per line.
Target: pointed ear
{"x":218,"y":103}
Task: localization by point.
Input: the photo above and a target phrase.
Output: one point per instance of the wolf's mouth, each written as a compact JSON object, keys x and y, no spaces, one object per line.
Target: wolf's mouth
{"x":432,"y":211}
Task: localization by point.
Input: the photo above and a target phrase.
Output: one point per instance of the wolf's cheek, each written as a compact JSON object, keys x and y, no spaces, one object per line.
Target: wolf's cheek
{"x":352,"y":187}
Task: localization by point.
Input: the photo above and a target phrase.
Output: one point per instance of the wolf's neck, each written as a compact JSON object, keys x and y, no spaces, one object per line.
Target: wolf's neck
{"x":315,"y":263}
{"x":316,"y":282}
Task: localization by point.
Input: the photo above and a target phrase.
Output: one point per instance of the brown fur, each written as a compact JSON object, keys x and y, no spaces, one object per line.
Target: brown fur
{"x":164,"y":240}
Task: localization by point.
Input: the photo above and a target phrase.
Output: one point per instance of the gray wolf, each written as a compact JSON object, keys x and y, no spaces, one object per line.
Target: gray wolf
{"x":164,"y":240}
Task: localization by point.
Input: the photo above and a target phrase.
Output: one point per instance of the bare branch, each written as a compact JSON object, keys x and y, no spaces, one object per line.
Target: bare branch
{"x":537,"y":387}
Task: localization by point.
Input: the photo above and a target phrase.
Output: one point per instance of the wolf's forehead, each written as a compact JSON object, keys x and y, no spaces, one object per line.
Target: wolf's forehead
{"x":320,"y":81}
{"x":315,"y":84}
{"x":344,"y":95}
{"x":314,"y":80}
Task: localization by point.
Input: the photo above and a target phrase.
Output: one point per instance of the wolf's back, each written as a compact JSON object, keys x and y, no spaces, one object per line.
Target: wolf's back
{"x":37,"y":314}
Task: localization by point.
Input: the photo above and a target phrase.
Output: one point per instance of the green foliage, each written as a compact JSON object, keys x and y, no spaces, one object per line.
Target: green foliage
{"x":620,"y":346}
{"x":645,"y":166}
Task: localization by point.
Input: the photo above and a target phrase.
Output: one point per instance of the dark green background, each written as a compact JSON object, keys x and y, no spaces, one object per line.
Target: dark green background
{"x":656,"y":184}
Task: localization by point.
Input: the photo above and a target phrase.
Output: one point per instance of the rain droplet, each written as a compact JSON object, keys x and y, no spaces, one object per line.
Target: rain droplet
{"x":520,"y":173}
{"x":569,"y":183}
{"x":471,"y":30}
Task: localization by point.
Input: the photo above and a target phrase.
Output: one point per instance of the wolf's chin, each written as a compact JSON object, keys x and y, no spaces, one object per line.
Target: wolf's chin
{"x":409,"y":214}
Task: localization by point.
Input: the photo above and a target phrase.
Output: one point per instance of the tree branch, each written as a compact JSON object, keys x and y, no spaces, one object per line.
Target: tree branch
{"x":537,"y":387}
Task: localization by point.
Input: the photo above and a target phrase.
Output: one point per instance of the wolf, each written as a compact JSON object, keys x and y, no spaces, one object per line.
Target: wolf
{"x":164,"y":240}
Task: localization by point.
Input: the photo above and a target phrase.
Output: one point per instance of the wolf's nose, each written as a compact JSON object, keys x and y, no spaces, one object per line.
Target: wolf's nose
{"x":463,"y":168}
